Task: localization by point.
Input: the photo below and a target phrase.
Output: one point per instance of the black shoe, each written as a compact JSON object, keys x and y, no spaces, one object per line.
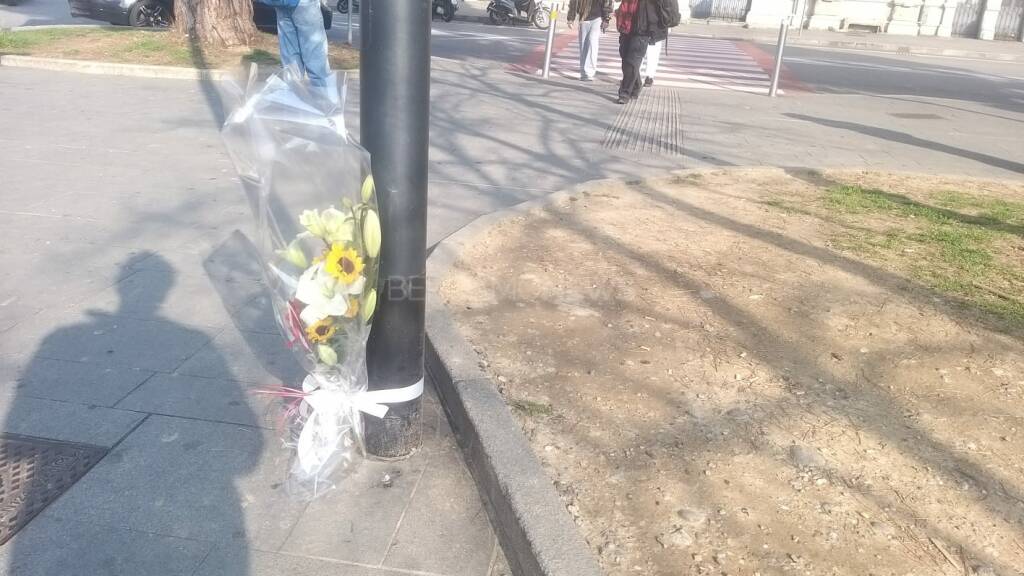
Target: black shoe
{"x":587,"y":78}
{"x":649,"y":82}
{"x":622,"y":100}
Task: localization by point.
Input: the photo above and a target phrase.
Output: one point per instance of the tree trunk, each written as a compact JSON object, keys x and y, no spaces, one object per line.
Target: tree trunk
{"x":215,"y":22}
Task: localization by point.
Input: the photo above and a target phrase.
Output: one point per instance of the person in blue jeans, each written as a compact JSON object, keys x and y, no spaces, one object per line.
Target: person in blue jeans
{"x":300,"y":31}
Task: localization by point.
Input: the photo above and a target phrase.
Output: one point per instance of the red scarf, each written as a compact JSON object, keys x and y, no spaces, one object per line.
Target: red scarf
{"x":626,"y":15}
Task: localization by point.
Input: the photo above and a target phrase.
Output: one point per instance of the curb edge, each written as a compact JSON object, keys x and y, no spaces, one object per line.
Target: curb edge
{"x":121,"y":69}
{"x":534,"y":528}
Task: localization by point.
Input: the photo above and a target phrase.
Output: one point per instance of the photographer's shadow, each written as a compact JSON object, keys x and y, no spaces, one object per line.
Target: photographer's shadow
{"x":168,"y":493}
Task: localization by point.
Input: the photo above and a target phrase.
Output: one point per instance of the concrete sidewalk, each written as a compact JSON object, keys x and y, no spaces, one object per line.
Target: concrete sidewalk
{"x":925,"y":45}
{"x":131,"y":319}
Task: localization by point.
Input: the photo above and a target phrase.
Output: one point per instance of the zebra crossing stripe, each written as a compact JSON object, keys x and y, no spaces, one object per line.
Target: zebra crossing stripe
{"x":702,"y":64}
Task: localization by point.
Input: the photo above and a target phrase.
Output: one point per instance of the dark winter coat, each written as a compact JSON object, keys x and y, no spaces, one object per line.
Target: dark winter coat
{"x":580,"y":9}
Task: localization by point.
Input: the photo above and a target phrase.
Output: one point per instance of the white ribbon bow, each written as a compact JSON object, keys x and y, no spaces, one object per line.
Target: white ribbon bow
{"x":332,"y":412}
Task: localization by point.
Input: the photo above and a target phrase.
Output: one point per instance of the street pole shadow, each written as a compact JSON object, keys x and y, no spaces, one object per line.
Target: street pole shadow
{"x":141,"y":485}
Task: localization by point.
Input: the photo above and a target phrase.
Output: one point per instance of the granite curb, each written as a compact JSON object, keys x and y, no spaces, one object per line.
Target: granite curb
{"x":535,"y":531}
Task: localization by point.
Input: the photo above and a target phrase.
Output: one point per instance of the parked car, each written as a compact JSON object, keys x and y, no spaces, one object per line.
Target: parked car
{"x":160,"y":13}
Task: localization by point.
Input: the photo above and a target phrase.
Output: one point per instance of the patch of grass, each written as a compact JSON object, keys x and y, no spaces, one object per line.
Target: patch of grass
{"x":21,"y":41}
{"x":135,"y":46}
{"x":260,"y":56}
{"x":531,"y":409}
{"x":956,"y":243}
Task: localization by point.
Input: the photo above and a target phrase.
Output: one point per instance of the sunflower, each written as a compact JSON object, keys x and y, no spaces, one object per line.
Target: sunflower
{"x":344,"y":264}
{"x":321,"y":331}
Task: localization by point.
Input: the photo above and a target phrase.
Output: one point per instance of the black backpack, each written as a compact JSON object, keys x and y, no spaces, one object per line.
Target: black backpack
{"x":668,"y":13}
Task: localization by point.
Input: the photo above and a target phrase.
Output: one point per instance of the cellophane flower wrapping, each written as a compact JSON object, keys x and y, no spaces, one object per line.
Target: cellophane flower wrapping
{"x":312,"y":194}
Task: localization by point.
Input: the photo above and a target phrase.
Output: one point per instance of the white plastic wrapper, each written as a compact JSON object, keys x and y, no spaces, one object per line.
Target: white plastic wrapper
{"x":319,"y":236}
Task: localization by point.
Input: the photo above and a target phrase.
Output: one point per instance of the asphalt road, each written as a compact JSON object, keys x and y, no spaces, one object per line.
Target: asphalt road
{"x":38,"y":13}
{"x":996,"y":84}
{"x":833,"y":71}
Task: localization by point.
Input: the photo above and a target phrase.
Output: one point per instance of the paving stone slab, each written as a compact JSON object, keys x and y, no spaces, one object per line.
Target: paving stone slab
{"x":108,"y":340}
{"x":186,"y":299}
{"x":65,"y":421}
{"x":447,"y":518}
{"x":190,"y":479}
{"x":68,"y":381}
{"x":225,"y":561}
{"x":247,"y":356}
{"x":203,"y":398}
{"x":355,"y":523}
{"x":52,"y":546}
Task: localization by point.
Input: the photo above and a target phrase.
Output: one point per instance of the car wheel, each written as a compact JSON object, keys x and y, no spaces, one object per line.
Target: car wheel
{"x":150,"y":14}
{"x":542,"y":18}
{"x":343,"y":6}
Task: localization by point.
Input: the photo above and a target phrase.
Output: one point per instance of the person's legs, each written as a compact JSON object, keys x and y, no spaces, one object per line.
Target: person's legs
{"x":312,"y":39}
{"x":584,"y":38}
{"x":632,"y":51}
{"x":624,"y":87}
{"x":653,"y":57}
{"x":593,"y":43}
{"x":288,"y":38}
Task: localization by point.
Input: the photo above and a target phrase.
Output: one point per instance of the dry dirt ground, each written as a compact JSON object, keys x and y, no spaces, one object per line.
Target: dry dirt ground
{"x":761,"y":372}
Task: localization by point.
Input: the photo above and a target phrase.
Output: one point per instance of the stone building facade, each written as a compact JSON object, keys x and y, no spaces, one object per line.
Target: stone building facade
{"x":985,"y":19}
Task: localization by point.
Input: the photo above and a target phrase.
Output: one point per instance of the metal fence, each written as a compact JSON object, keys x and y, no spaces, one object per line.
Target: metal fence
{"x":732,"y":10}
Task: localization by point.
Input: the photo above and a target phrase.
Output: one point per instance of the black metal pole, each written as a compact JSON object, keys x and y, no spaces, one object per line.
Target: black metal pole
{"x":394,"y":121}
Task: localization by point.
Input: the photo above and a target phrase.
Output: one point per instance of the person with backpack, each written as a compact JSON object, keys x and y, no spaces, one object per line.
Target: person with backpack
{"x":594,"y":16}
{"x":641,"y":23}
{"x":302,"y":38}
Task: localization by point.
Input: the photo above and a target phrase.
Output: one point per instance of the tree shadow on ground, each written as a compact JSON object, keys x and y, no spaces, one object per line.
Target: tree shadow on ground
{"x":874,"y":408}
{"x":911,"y":140}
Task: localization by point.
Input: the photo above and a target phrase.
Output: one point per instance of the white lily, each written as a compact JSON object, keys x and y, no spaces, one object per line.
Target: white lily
{"x":338,"y":226}
{"x":319,"y":291}
{"x":313,"y":222}
{"x":333,"y":225}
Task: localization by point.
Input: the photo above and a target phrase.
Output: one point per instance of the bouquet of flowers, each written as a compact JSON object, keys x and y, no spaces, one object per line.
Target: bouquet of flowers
{"x":312,"y":194}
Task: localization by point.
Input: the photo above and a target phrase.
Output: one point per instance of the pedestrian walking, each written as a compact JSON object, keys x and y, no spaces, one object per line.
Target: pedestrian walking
{"x":302,"y":37}
{"x":641,"y":23}
{"x":594,"y":16}
{"x":650,"y":67}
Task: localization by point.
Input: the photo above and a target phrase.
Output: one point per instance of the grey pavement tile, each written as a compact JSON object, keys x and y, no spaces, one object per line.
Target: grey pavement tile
{"x":110,"y":340}
{"x":65,"y":420}
{"x":49,"y":546}
{"x":355,"y":522}
{"x":57,"y":275}
{"x":67,"y":381}
{"x":247,"y":356}
{"x":227,"y":561}
{"x":190,"y":479}
{"x":14,"y":313}
{"x":203,"y":398}
{"x":446,"y":529}
{"x":236,"y":258}
{"x":187,"y":299}
{"x":499,"y":567}
{"x":256,"y":315}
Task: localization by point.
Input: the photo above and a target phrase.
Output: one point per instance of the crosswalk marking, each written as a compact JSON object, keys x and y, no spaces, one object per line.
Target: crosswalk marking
{"x":705,"y":64}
